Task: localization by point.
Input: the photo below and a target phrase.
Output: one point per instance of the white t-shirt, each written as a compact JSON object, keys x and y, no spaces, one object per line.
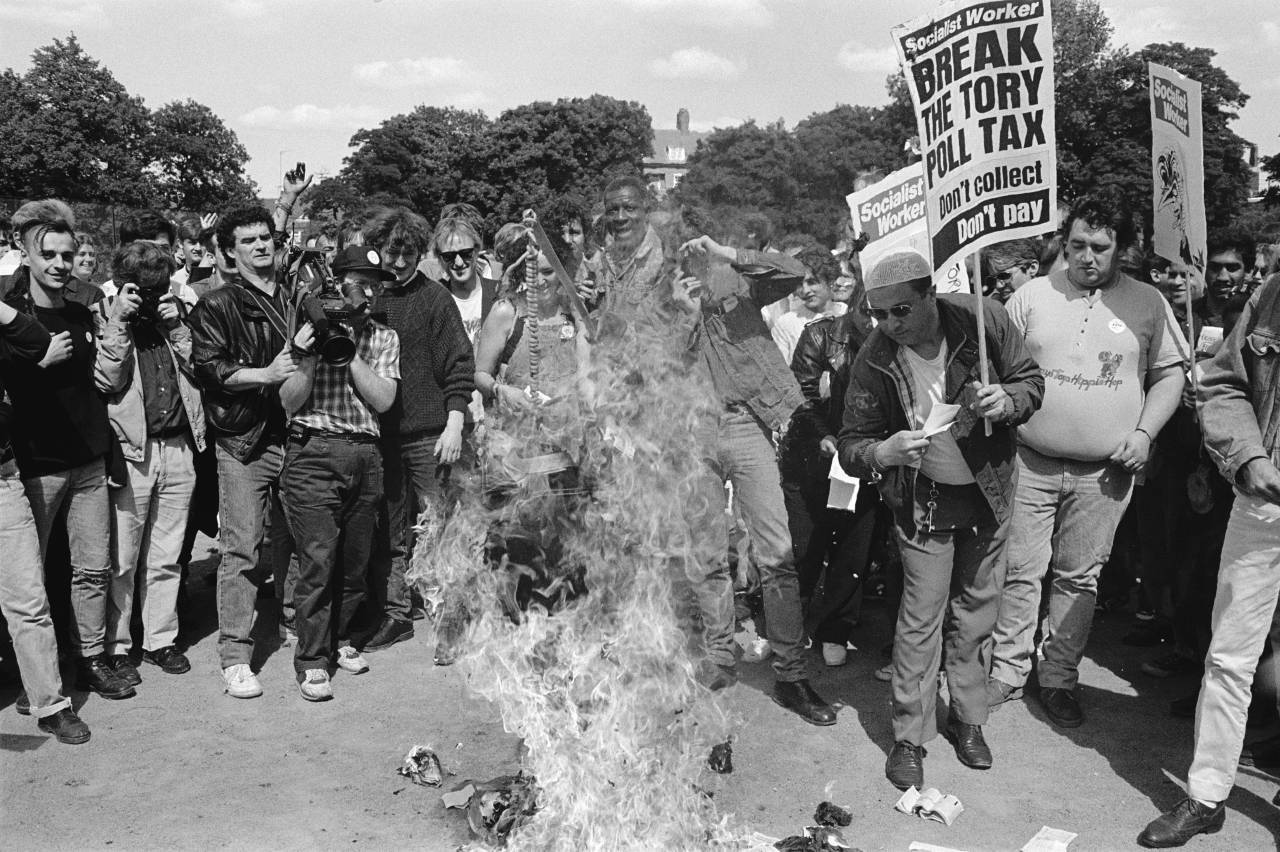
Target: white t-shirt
{"x":786,"y":319}
{"x":943,"y":462}
{"x":471,"y":313}
{"x":470,"y":308}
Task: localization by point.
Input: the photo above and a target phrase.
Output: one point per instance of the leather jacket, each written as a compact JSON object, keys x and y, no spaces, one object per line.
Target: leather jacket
{"x":876,"y":406}
{"x":826,"y":345}
{"x":1239,"y":393}
{"x":231,"y":331}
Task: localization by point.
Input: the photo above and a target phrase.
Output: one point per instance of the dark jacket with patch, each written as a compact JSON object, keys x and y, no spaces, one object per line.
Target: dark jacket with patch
{"x":875,"y":406}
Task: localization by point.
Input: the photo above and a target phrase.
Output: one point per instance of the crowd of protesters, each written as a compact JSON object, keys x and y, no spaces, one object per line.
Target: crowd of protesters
{"x":1097,"y":453}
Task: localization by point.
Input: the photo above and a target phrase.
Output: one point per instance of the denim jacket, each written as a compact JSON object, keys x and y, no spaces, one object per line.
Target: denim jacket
{"x":877,"y":405}
{"x":1239,"y":393}
{"x":747,"y":370}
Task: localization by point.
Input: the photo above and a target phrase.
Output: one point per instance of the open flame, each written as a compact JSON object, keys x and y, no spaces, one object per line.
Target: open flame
{"x":600,"y":686}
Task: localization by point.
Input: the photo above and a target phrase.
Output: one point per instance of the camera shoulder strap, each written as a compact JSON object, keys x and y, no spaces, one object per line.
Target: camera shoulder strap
{"x":268,"y":307}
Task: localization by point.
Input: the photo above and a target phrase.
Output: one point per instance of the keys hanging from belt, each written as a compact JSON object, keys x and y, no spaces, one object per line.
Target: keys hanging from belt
{"x":930,"y":505}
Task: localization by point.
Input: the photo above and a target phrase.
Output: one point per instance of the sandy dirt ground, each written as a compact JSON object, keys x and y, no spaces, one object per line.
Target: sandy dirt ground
{"x":182,"y":766}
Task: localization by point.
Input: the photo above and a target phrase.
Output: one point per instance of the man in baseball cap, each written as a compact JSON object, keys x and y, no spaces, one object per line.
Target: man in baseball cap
{"x":361,"y":259}
{"x":332,"y":484}
{"x":949,"y":487}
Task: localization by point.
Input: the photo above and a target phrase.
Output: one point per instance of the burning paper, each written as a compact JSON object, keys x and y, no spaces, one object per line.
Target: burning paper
{"x":421,"y":766}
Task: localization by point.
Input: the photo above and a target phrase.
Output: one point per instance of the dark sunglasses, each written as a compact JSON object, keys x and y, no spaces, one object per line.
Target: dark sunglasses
{"x":450,"y":256}
{"x":1007,"y":275}
{"x":882,"y":314}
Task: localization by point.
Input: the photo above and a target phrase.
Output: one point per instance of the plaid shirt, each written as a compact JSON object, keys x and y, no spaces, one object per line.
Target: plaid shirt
{"x":334,"y":405}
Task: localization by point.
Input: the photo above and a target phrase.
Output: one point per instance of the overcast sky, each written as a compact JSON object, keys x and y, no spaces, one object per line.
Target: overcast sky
{"x":300,"y":76}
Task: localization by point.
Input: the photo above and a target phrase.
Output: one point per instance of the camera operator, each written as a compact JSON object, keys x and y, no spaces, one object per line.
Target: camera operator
{"x":240,"y":346}
{"x":158,"y":418}
{"x":332,"y":482}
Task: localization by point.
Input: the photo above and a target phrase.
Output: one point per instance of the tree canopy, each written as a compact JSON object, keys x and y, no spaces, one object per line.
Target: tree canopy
{"x":69,"y":129}
{"x":434,"y":156}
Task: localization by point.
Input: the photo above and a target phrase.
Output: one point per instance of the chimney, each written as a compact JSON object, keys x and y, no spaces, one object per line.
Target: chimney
{"x":682,"y":120}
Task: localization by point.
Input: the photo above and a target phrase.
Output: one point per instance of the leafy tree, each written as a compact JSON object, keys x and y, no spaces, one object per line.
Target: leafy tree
{"x":747,"y":167}
{"x":196,"y":161}
{"x":421,"y":158}
{"x":68,"y":128}
{"x":572,"y":147}
{"x":331,"y":199}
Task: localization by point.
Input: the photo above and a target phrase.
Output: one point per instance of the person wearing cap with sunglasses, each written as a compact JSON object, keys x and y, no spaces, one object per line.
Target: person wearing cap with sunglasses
{"x":332,"y":481}
{"x":950,"y":489}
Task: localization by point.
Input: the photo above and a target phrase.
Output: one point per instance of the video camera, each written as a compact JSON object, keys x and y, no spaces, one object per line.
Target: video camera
{"x":336,"y":312}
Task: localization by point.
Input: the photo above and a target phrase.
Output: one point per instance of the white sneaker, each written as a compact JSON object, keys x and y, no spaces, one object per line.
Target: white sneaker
{"x":241,"y":682}
{"x":315,"y":685}
{"x":349,"y":660}
{"x":833,"y":654}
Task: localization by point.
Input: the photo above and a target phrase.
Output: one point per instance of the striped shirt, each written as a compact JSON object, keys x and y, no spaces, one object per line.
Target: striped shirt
{"x":334,"y":405}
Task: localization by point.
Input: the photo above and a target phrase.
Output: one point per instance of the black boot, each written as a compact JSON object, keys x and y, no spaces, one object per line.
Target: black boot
{"x":799,"y":697}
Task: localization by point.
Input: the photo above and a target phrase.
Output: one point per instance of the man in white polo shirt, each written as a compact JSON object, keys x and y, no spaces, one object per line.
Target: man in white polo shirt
{"x":1112,"y":358}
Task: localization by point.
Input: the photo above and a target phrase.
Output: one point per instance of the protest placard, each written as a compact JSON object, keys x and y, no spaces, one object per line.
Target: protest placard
{"x":891,"y":213}
{"x":1177,"y":167}
{"x":981,"y":79}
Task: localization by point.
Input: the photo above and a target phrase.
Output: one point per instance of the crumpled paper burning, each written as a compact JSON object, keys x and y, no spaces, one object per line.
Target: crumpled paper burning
{"x":497,"y":807}
{"x":421,"y":766}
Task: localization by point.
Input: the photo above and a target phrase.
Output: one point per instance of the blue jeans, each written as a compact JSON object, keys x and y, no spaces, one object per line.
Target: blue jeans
{"x":414,"y":480}
{"x":1065,"y":514}
{"x":23,"y":600}
{"x":83,"y":490}
{"x":330,"y":488}
{"x":741,"y":452}
{"x":245,"y":495}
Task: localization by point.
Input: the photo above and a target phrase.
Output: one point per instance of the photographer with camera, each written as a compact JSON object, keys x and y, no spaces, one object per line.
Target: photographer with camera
{"x":158,"y":420}
{"x":241,"y":349}
{"x":348,"y":373}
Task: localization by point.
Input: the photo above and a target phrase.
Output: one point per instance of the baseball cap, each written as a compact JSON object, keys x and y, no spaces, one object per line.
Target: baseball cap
{"x":897,"y":268}
{"x":361,"y":259}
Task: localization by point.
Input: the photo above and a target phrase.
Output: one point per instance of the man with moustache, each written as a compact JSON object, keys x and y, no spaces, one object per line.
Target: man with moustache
{"x":633,"y":262}
{"x":950,"y":492}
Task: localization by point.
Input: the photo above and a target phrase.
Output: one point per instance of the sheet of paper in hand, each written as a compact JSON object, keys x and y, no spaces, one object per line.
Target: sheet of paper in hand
{"x":842,"y":492}
{"x":1049,"y":840}
{"x":941,"y":416}
{"x":931,"y":804}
